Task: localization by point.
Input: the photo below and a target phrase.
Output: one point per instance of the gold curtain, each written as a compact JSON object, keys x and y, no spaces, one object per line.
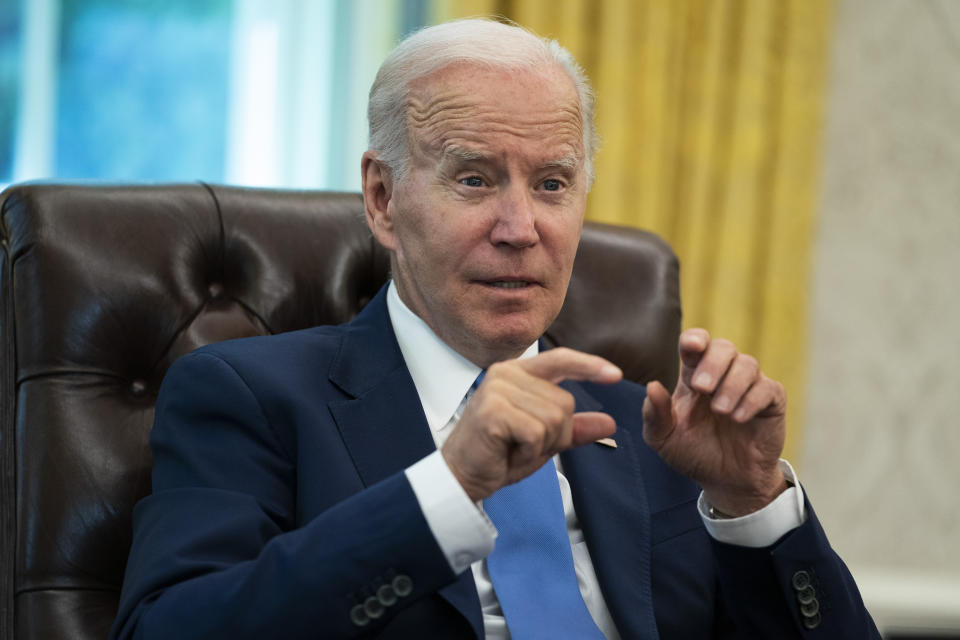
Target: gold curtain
{"x":710,"y":118}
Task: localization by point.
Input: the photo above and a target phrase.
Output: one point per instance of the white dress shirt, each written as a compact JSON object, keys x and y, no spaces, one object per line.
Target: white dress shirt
{"x":442,"y":378}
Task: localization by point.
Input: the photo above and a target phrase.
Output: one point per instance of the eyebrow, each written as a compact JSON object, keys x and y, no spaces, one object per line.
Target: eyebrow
{"x":456,"y":152}
{"x":568,"y":162}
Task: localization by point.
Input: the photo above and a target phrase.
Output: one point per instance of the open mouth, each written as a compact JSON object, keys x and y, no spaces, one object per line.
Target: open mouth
{"x":510,"y":284}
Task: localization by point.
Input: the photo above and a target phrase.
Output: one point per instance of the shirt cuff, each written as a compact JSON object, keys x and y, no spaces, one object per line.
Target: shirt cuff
{"x":764,"y":527}
{"x":462,"y":530}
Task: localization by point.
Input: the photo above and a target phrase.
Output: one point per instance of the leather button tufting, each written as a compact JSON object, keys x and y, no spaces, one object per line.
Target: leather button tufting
{"x":138,"y":388}
{"x":215,"y":290}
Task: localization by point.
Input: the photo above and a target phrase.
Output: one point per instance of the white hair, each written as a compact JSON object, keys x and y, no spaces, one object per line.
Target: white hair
{"x":474,"y":40}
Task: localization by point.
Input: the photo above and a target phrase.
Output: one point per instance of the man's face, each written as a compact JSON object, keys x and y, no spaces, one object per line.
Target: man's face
{"x":485,"y":226}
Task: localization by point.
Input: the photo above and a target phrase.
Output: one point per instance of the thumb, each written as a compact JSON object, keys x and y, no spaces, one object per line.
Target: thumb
{"x":590,"y":426}
{"x":657,"y":415}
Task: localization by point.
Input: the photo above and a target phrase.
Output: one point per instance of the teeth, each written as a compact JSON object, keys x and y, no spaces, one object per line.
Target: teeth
{"x":512,"y":284}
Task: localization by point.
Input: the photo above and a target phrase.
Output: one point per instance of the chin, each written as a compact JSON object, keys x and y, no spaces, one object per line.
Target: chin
{"x":511,"y":337}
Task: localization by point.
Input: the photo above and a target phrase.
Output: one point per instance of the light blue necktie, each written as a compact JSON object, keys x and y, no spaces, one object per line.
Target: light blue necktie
{"x":531,"y":566}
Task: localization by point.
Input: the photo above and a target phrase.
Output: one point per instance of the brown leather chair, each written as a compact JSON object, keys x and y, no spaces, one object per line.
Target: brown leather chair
{"x":105,"y":286}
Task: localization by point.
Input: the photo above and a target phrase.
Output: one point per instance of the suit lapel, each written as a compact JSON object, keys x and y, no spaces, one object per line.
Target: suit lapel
{"x":611,"y":503}
{"x":383,"y":425}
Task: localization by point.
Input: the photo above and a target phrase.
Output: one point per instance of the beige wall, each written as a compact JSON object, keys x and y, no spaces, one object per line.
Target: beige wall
{"x":882,"y":452}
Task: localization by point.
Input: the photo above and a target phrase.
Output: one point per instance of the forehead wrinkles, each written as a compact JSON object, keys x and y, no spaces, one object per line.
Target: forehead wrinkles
{"x":433,"y":120}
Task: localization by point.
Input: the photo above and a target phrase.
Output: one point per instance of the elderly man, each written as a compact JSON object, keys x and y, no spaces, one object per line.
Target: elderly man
{"x":399,"y":476}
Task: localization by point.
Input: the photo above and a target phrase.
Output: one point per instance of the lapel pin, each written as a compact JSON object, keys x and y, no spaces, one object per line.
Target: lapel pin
{"x":607,"y":442}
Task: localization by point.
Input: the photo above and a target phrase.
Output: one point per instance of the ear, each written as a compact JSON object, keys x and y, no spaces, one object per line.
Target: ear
{"x":377,"y":193}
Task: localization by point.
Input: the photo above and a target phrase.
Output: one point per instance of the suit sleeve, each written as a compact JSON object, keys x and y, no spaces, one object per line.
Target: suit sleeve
{"x":797,"y":588}
{"x":216,"y":551}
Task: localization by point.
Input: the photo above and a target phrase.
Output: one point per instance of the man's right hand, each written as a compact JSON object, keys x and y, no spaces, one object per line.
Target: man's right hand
{"x":518,"y":418}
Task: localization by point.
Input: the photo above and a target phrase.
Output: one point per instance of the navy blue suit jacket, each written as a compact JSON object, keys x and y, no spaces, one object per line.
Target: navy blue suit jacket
{"x":279,"y":502}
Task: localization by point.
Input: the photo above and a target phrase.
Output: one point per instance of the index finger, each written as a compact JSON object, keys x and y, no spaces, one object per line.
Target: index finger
{"x":567,"y":364}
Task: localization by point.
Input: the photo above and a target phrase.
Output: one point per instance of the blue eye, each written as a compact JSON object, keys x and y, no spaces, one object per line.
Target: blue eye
{"x":472,"y":181}
{"x":552,"y":185}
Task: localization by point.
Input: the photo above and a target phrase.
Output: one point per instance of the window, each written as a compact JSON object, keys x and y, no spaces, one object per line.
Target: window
{"x":251,"y":92}
{"x":142,"y":89}
{"x":10,"y":22}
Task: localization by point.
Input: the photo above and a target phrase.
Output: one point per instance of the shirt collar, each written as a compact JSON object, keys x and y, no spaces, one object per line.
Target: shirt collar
{"x":441,"y":375}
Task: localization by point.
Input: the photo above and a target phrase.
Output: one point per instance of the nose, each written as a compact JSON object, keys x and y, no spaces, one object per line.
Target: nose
{"x":516,"y":224}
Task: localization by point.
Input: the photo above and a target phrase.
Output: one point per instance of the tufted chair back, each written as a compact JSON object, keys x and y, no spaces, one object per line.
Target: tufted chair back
{"x":103,"y":287}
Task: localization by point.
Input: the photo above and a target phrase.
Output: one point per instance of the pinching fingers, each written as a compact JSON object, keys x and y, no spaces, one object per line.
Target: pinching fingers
{"x":562,"y":363}
{"x":766,"y":396}
{"x":657,"y":414}
{"x":547,"y":409}
{"x":740,"y":376}
{"x":692,"y":345}
{"x":527,"y":450}
{"x":711,"y":366}
{"x":590,"y":426}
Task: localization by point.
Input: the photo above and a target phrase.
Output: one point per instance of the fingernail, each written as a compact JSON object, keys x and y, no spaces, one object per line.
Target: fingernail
{"x":722,"y":403}
{"x":740,"y":414}
{"x":703,"y":380}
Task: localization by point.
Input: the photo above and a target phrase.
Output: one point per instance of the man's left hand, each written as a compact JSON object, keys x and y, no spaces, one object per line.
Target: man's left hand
{"x":724,"y":426}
